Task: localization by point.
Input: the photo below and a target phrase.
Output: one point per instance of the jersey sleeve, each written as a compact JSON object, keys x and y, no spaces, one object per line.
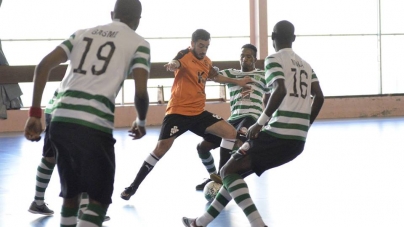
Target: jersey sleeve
{"x":180,"y":55}
{"x":141,"y":57}
{"x":273,"y":70}
{"x":69,"y":43}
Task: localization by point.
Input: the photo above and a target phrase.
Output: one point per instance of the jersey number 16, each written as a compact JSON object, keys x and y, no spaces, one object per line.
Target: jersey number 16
{"x":302,"y":85}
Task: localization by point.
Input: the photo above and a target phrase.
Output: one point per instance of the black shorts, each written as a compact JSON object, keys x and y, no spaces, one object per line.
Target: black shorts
{"x":47,"y":150}
{"x":267,"y":152}
{"x":85,"y":160}
{"x":175,"y":125}
{"x":244,"y":122}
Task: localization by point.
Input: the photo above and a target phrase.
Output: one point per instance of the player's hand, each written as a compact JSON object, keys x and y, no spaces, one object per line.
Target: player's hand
{"x":137,"y":132}
{"x":244,"y":82}
{"x":172,"y":65}
{"x":246,"y":91}
{"x":253,"y":131}
{"x":213,"y":71}
{"x":33,"y":129}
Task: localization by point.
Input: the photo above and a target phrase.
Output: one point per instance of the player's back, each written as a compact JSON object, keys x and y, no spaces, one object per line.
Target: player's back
{"x":100,"y":59}
{"x":291,"y":120}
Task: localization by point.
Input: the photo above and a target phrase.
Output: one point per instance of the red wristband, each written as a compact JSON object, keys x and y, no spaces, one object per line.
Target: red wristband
{"x":35,"y":112}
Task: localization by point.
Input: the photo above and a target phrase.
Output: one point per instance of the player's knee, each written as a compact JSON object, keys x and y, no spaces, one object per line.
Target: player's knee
{"x":204,"y":147}
{"x":231,"y":134}
{"x":51,"y":159}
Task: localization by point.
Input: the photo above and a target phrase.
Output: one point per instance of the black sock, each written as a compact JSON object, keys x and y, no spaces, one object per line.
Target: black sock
{"x":144,"y":170}
{"x":224,"y":156}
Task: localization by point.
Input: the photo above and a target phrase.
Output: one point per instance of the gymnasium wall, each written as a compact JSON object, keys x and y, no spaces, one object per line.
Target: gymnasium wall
{"x":333,"y":108}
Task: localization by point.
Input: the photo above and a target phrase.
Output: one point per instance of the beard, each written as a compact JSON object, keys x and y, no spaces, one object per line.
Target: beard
{"x":197,"y":55}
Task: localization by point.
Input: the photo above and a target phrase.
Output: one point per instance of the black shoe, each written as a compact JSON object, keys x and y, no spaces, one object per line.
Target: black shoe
{"x":127,"y":193}
{"x":200,"y":187}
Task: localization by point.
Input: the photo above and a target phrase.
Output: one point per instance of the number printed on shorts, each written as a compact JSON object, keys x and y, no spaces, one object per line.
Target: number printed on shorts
{"x":298,"y":77}
{"x":100,"y":57}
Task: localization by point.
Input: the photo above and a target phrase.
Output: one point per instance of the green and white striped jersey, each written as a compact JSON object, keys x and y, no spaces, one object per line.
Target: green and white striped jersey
{"x":49,"y":106}
{"x":100,"y":60}
{"x":250,"y":103}
{"x":292,"y":119}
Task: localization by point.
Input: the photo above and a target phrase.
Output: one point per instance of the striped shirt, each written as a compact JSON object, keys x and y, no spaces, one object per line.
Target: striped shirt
{"x":100,"y":60}
{"x":244,"y":102}
{"x":291,"y":120}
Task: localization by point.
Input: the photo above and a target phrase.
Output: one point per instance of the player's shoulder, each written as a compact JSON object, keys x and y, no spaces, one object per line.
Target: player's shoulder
{"x":273,"y":57}
{"x":182,"y":53}
{"x":229,"y":71}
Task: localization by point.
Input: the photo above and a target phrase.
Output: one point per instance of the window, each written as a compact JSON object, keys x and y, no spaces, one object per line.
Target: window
{"x":340,"y":45}
{"x":353,"y":45}
{"x":167,"y":30}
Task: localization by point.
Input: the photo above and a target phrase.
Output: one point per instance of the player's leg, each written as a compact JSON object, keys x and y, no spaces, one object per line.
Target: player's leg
{"x":173,"y":126}
{"x":84,"y":201}
{"x":218,"y":204}
{"x":43,"y":174}
{"x":263,"y":153}
{"x":241,"y":125}
{"x":151,"y":160}
{"x":86,"y":162}
{"x":61,"y":143}
{"x":238,"y":189}
{"x":209,"y":143}
{"x":98,"y":175}
{"x":212,"y":124}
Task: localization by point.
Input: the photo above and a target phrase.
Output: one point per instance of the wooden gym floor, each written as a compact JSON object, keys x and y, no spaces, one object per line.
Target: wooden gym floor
{"x":351,"y":174}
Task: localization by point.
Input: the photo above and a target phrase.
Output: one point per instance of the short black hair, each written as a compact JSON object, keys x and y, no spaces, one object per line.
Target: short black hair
{"x":200,"y":34}
{"x":252,"y":47}
{"x":284,"y":32}
{"x":128,"y":10}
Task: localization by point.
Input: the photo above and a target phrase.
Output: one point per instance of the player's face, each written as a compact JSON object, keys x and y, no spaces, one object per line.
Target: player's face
{"x":247,"y":60}
{"x":200,"y":47}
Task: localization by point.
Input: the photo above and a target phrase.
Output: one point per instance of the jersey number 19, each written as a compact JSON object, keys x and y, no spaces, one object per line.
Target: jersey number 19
{"x":99,"y":56}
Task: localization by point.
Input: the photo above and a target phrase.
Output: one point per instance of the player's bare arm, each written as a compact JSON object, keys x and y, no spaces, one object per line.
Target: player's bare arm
{"x":33,"y":126}
{"x":275,"y":100}
{"x":215,"y":76}
{"x":138,"y":129}
{"x":172,"y":65}
{"x":318,"y":100}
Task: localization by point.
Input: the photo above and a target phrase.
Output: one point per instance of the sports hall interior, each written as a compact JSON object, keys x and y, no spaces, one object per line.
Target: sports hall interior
{"x":350,"y":173}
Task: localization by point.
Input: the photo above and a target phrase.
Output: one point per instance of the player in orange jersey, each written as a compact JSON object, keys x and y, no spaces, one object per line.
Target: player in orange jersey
{"x":186,"y":108}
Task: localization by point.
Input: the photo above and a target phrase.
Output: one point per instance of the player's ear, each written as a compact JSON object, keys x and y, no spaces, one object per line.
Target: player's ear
{"x":273,"y":35}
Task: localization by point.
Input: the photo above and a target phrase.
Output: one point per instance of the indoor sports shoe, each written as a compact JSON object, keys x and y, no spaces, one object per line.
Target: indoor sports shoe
{"x":201,"y":186}
{"x":189,"y":222}
{"x":216,"y":178}
{"x":40,"y":209}
{"x":127,"y":193}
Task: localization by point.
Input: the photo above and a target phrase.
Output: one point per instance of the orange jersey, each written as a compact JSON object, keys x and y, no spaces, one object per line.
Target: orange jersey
{"x":188,"y":91}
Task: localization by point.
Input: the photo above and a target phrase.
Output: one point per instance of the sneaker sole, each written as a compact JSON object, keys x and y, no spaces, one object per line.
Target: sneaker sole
{"x":185,"y":222}
{"x":125,"y":197}
{"x":38,"y":212}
